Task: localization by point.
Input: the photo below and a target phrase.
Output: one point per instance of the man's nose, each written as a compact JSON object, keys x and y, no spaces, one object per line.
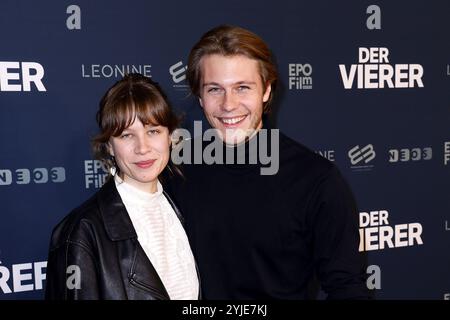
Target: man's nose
{"x":230,"y":102}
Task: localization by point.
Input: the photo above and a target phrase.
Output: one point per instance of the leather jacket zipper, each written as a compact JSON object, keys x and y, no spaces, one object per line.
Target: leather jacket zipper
{"x":145,"y":287}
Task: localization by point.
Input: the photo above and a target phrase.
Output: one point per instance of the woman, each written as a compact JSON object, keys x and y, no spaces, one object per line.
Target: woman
{"x":127,"y":241}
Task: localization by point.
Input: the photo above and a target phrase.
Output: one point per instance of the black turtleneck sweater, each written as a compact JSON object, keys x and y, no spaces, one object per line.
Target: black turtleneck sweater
{"x":268,"y":236}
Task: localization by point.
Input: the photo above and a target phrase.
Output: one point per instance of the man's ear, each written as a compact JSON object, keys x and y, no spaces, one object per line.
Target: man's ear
{"x":200,"y":101}
{"x":267,"y":92}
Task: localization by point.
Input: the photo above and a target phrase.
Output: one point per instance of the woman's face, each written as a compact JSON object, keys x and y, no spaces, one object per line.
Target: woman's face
{"x":141,"y":153}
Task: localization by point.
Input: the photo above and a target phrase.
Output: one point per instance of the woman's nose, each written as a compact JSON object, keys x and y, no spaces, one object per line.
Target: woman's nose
{"x":143,"y":145}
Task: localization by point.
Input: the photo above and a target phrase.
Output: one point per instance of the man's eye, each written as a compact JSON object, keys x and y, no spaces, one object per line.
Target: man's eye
{"x":125,"y":136}
{"x":243,"y":88}
{"x":213,"y":90}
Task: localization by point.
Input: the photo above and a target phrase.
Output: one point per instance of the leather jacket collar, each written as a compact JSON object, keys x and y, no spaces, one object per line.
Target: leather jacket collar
{"x":118,"y":224}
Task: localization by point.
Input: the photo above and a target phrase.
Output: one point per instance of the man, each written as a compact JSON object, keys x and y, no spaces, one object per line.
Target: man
{"x":259,"y":235}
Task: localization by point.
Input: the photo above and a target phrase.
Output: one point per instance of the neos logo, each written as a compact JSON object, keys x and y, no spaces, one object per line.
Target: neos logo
{"x":18,"y":76}
{"x":26,"y":176}
{"x":413,"y":154}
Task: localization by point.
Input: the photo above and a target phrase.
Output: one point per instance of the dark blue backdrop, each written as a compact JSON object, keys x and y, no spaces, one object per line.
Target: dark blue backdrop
{"x":401,"y":135}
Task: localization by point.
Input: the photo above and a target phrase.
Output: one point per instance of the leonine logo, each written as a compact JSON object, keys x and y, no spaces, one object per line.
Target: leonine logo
{"x":114,"y":70}
{"x":376,"y":233}
{"x":19,"y":76}
{"x":327,"y":154}
{"x":373,"y":71}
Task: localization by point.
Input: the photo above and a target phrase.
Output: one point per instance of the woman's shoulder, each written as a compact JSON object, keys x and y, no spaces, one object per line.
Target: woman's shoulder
{"x":78,"y":226}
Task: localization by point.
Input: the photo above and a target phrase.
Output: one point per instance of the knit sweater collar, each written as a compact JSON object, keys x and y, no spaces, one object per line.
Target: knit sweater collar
{"x":129,"y":193}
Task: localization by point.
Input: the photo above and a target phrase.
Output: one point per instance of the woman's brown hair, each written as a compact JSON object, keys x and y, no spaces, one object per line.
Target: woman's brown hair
{"x":135,"y":96}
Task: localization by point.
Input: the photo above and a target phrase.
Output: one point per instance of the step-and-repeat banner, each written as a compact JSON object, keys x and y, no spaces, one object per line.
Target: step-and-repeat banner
{"x":364,"y":83}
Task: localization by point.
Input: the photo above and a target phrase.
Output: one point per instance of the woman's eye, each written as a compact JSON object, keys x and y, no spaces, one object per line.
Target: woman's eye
{"x":125,"y":135}
{"x":154,"y":131}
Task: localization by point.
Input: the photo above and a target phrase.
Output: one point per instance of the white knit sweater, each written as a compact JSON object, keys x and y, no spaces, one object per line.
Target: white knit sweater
{"x":163,"y":239}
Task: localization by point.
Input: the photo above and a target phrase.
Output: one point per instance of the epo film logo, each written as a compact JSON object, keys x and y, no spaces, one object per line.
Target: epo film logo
{"x":95,"y":173}
{"x":300,"y":76}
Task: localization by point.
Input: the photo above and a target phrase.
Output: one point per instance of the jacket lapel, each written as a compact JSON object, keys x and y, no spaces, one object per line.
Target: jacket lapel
{"x":136,"y":266}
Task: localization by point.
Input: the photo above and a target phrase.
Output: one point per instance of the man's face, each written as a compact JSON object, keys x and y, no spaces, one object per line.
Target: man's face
{"x":232,"y":95}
